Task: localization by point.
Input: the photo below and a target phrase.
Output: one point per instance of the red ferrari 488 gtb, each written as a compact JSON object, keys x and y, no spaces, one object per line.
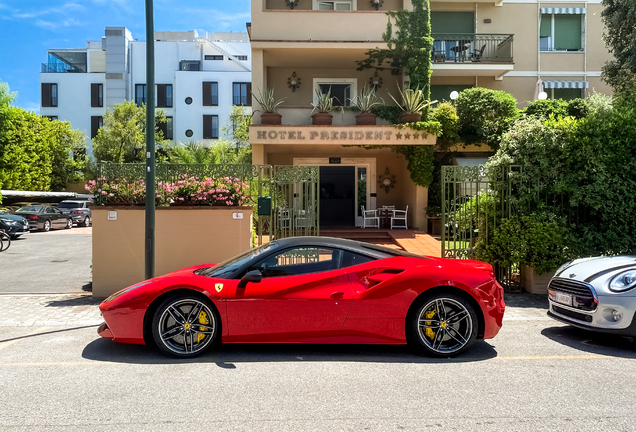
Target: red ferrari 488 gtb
{"x":312,"y":290}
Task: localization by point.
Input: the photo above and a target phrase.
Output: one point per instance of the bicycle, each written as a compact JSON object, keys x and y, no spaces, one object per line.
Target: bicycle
{"x":5,"y":241}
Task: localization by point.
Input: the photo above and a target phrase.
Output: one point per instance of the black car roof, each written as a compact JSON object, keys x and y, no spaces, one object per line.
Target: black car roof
{"x":352,"y":245}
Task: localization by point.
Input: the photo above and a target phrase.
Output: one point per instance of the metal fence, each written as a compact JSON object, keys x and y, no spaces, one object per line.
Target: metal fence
{"x":474,"y":200}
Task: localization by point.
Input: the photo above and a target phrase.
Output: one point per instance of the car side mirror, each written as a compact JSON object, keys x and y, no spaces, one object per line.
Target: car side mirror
{"x":253,"y":276}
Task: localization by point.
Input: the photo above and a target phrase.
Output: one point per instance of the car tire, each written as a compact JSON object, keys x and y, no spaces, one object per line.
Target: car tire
{"x":185,"y":325}
{"x":15,"y":237}
{"x":444,"y":334}
{"x":47,"y":226}
{"x":87,"y":221}
{"x":69,"y":224}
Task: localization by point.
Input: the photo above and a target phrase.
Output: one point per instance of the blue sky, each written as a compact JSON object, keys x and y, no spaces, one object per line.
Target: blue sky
{"x":29,"y":27}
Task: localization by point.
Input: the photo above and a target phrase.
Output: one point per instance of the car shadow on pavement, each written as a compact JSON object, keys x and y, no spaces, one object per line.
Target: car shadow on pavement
{"x":75,"y":301}
{"x":526,"y":300}
{"x":225,"y":356}
{"x":591,"y":342}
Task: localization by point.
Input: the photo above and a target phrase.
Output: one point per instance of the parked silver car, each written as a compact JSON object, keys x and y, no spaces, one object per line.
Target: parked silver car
{"x":79,"y":211}
{"x":597,"y":294}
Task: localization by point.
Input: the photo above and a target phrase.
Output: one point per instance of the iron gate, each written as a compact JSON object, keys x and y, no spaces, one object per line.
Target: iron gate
{"x":474,"y":200}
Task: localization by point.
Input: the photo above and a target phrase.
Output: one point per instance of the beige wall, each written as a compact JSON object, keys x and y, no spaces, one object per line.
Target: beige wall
{"x":184,"y":237}
{"x":597,"y":52}
{"x":566,"y":62}
{"x":522,"y":88}
{"x":599,"y":86}
{"x":440,"y":6}
{"x":97,"y":61}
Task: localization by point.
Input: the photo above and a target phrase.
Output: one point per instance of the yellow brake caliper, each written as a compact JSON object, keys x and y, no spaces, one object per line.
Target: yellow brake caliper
{"x":429,"y":331}
{"x":203,"y":319}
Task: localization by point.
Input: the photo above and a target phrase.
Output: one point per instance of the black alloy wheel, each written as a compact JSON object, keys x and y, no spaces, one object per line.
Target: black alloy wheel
{"x":185,"y":325}
{"x":444,"y":325}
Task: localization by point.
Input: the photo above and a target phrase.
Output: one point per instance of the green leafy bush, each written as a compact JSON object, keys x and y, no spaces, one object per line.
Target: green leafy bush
{"x":446,"y":114}
{"x":485,"y":115}
{"x":546,"y":108}
{"x":526,"y":240}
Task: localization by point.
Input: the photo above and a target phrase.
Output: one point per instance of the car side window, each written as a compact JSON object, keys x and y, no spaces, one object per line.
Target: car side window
{"x":350,"y":259}
{"x":299,"y":261}
{"x":50,"y":210}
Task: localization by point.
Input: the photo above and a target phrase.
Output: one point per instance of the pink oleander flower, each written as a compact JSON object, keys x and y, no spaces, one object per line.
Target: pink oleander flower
{"x":111,"y":194}
{"x":103,"y":192}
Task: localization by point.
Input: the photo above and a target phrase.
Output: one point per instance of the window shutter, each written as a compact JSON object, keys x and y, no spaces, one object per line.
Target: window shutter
{"x":207,"y":94}
{"x":546,"y":26}
{"x":94,"y":95}
{"x":207,"y":127}
{"x":249,"y":94}
{"x":46,"y":95}
{"x":567,"y":32}
{"x":161,"y":95}
{"x":94,"y":125}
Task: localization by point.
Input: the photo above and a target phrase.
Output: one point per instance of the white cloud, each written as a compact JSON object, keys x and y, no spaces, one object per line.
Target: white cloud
{"x":58,"y":24}
{"x":64,"y":9}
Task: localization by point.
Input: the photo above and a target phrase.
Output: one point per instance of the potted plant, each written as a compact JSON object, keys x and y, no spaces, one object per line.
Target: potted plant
{"x":269,"y":105}
{"x":412,"y":106}
{"x":364,"y":102}
{"x":323,"y":108}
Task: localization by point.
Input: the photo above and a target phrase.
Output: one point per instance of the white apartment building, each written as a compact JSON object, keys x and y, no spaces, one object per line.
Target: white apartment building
{"x":198,"y":76}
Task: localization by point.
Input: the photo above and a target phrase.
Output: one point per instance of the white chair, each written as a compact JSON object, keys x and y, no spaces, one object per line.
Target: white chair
{"x":370,"y":215}
{"x":400,"y":215}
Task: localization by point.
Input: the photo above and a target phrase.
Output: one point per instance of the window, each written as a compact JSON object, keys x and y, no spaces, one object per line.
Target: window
{"x":140,"y":94}
{"x":351,"y":259}
{"x":97,"y":95}
{"x":334,"y":5}
{"x":166,"y":128}
{"x":241,"y":57}
{"x":565,"y":93}
{"x":188,"y":100}
{"x":213,"y":57}
{"x":242,"y":94}
{"x":210,"y":127}
{"x":51,"y":117}
{"x":189,"y":133}
{"x":49,"y":95}
{"x":97,"y":122}
{"x":299,"y":261}
{"x":561,"y":32}
{"x":442,"y":92}
{"x":210,"y":94}
{"x":164,"y":95}
{"x":340,"y":92}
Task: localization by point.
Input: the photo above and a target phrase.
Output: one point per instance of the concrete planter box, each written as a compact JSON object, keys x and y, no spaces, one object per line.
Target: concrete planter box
{"x":184,"y":236}
{"x":534,"y":283}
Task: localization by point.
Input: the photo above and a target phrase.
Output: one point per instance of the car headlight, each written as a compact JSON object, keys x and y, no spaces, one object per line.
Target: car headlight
{"x":563,"y":267}
{"x":124,"y":291}
{"x":624,"y":281}
{"x":8,"y":221}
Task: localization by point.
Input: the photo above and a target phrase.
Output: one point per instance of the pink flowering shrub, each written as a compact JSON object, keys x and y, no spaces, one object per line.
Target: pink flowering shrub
{"x":188,"y":190}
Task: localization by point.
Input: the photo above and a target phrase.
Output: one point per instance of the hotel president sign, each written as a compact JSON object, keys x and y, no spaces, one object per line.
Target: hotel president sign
{"x":339,"y":135}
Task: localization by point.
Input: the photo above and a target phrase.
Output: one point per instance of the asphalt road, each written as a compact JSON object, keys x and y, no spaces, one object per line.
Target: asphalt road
{"x":536,"y":375}
{"x":55,"y":262}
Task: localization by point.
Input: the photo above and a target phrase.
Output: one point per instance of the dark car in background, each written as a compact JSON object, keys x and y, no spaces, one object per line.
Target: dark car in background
{"x":79,"y":211}
{"x":13,"y":225}
{"x":44,"y":217}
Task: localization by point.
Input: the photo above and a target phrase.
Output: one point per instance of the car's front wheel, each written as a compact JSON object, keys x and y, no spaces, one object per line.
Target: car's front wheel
{"x":185,"y":325}
{"x":69,"y":224}
{"x":444,"y":325}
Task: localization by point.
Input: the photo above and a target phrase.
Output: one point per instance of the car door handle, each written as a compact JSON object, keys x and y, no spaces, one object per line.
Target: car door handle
{"x":337,"y":295}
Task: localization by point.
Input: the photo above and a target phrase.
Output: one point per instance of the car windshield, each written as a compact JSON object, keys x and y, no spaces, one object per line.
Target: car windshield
{"x":30,"y":209}
{"x":69,"y":205}
{"x":227,"y":268}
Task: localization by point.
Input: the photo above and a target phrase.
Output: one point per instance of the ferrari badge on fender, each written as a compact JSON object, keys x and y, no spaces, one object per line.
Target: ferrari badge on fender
{"x":218,"y":287}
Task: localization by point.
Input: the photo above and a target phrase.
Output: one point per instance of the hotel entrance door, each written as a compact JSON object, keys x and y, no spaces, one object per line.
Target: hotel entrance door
{"x":337,"y":196}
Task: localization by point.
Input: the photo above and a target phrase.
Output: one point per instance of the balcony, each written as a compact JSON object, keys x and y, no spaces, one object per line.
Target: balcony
{"x":472,"y":54}
{"x":61,"y":68}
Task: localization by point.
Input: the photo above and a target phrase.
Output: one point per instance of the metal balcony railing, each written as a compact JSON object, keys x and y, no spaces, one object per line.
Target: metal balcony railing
{"x":472,"y":47}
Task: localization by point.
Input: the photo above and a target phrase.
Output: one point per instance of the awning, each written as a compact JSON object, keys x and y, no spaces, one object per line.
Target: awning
{"x":566,"y":84}
{"x":33,"y":194}
{"x":567,"y":11}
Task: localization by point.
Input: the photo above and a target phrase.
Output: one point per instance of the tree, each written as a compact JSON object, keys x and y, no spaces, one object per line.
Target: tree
{"x":409,"y":49}
{"x":235,"y":146}
{"x":619,"y":17}
{"x":68,"y":154}
{"x":122,"y":139}
{"x":6,"y":97}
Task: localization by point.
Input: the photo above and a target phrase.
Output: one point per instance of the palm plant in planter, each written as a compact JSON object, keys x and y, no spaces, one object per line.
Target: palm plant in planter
{"x":364,"y":102}
{"x":412,"y":106}
{"x":269,"y":105}
{"x":323,"y":108}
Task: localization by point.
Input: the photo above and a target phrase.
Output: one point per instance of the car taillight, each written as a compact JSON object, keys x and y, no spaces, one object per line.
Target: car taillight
{"x":77,"y":212}
{"x":32,"y":217}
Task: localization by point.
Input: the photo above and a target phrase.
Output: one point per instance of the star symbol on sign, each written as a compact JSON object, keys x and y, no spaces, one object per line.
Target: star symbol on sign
{"x":416,"y":135}
{"x":407,"y":135}
{"x":398,"y":136}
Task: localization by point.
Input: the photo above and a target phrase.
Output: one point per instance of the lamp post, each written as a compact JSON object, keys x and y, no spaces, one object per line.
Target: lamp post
{"x":454,"y":95}
{"x":150,"y":143}
{"x":543,"y":95}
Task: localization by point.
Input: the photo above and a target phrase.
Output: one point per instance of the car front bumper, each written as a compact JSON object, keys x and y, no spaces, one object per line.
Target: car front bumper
{"x":602,"y":318}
